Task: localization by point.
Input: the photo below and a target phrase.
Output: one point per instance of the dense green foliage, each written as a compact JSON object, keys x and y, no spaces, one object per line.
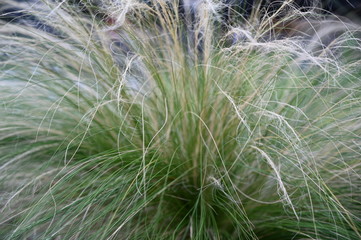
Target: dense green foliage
{"x":152,"y":129}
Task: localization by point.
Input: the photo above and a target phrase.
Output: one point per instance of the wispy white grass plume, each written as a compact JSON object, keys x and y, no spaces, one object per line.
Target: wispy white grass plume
{"x":127,"y":121}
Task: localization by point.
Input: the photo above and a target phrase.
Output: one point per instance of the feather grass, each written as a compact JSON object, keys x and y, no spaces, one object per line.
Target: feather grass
{"x":155,"y":127}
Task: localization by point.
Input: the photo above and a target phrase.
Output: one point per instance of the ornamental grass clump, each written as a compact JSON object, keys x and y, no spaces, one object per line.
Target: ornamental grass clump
{"x":135,"y":120}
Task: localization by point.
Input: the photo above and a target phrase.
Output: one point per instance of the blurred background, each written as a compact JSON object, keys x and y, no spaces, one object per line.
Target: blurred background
{"x":350,"y":9}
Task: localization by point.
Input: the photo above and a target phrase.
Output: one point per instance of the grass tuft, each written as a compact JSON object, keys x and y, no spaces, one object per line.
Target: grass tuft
{"x":135,"y":120}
